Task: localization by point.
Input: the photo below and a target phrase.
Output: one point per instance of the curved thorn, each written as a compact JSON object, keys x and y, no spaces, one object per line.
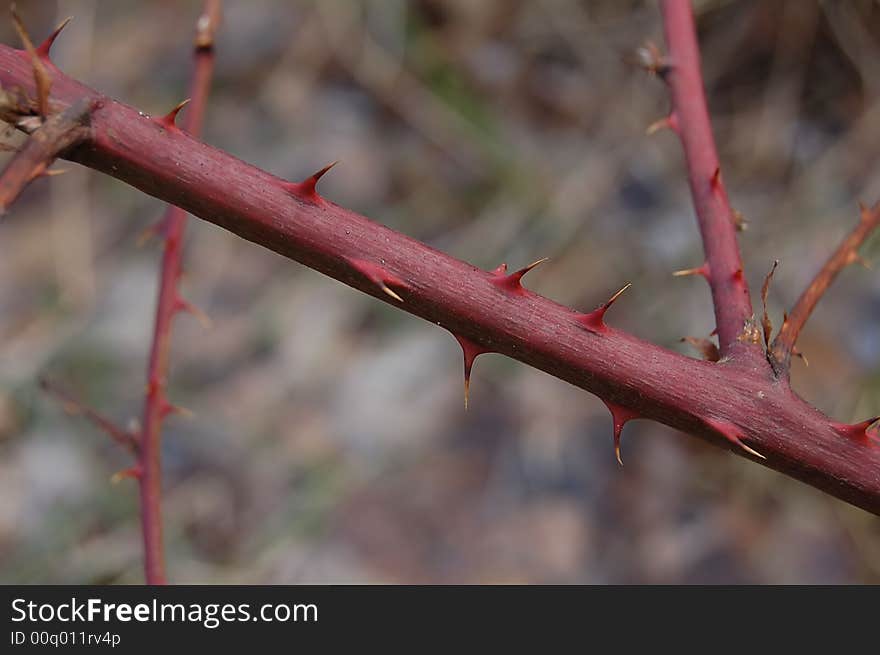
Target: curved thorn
{"x":797,"y":353}
{"x":379,"y":276}
{"x":594,"y":321}
{"x":513,"y":281}
{"x":169,"y":408}
{"x":134,"y":472}
{"x":535,"y":263}
{"x":388,"y":290}
{"x":669,"y":122}
{"x":470,"y":351}
{"x":182,"y":305}
{"x":860,"y":431}
{"x":703,"y":270}
{"x":319,"y":174}
{"x":732,"y":433}
{"x":308,"y":188}
{"x":617,"y":295}
{"x":43,"y":49}
{"x":169,"y":120}
{"x":619,"y":417}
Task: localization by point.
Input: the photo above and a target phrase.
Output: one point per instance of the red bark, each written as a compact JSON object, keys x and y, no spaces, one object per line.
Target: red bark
{"x":690,"y":118}
{"x":755,"y":408}
{"x":169,"y":303}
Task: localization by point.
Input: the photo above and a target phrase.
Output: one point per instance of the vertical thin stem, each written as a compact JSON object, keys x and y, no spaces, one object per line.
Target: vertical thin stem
{"x":156,"y":404}
{"x":730,"y":291}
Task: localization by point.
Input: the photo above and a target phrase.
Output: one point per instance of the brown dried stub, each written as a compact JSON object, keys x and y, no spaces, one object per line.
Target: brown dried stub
{"x":766,"y":323}
{"x":649,"y":58}
{"x":751,"y":331}
{"x":42,"y":80}
{"x":707,"y":348}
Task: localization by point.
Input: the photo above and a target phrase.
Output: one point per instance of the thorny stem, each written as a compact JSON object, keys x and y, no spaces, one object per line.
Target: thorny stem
{"x":846,"y":253}
{"x":682,"y":72}
{"x":58,"y":133}
{"x":74,"y":406}
{"x":156,"y":404}
{"x":726,"y":405}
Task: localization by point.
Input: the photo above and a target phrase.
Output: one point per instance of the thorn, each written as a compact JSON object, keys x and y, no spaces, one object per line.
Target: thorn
{"x":700,"y":270}
{"x":41,"y":171}
{"x":135,"y":472}
{"x":513,"y":282}
{"x":470,"y":351}
{"x":182,"y":305}
{"x":706,"y":347}
{"x":390,"y":291}
{"x":798,"y":353}
{"x":858,"y":431}
{"x":855,"y":258}
{"x":307,"y":189}
{"x":41,"y":77}
{"x":44,"y":48}
{"x":732,"y":433}
{"x":38,"y":171}
{"x":594,"y":321}
{"x":169,"y":120}
{"x":619,"y":417}
{"x":379,"y":276}
{"x":766,"y":323}
{"x":169,"y":408}
{"x":666,"y":123}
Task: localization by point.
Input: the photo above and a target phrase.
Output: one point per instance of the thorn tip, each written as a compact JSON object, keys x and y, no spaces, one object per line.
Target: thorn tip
{"x":45,"y":47}
{"x":594,"y":321}
{"x":513,"y":281}
{"x":169,"y":120}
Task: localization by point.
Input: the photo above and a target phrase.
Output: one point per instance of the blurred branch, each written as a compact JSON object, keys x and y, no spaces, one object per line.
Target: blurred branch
{"x":743,"y":408}
{"x":156,"y":403}
{"x":846,"y":253}
{"x":690,"y":120}
{"x":76,"y":407}
{"x":47,"y":141}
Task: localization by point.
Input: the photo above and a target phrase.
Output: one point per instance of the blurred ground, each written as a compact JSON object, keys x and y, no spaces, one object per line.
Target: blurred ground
{"x":329,"y":443}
